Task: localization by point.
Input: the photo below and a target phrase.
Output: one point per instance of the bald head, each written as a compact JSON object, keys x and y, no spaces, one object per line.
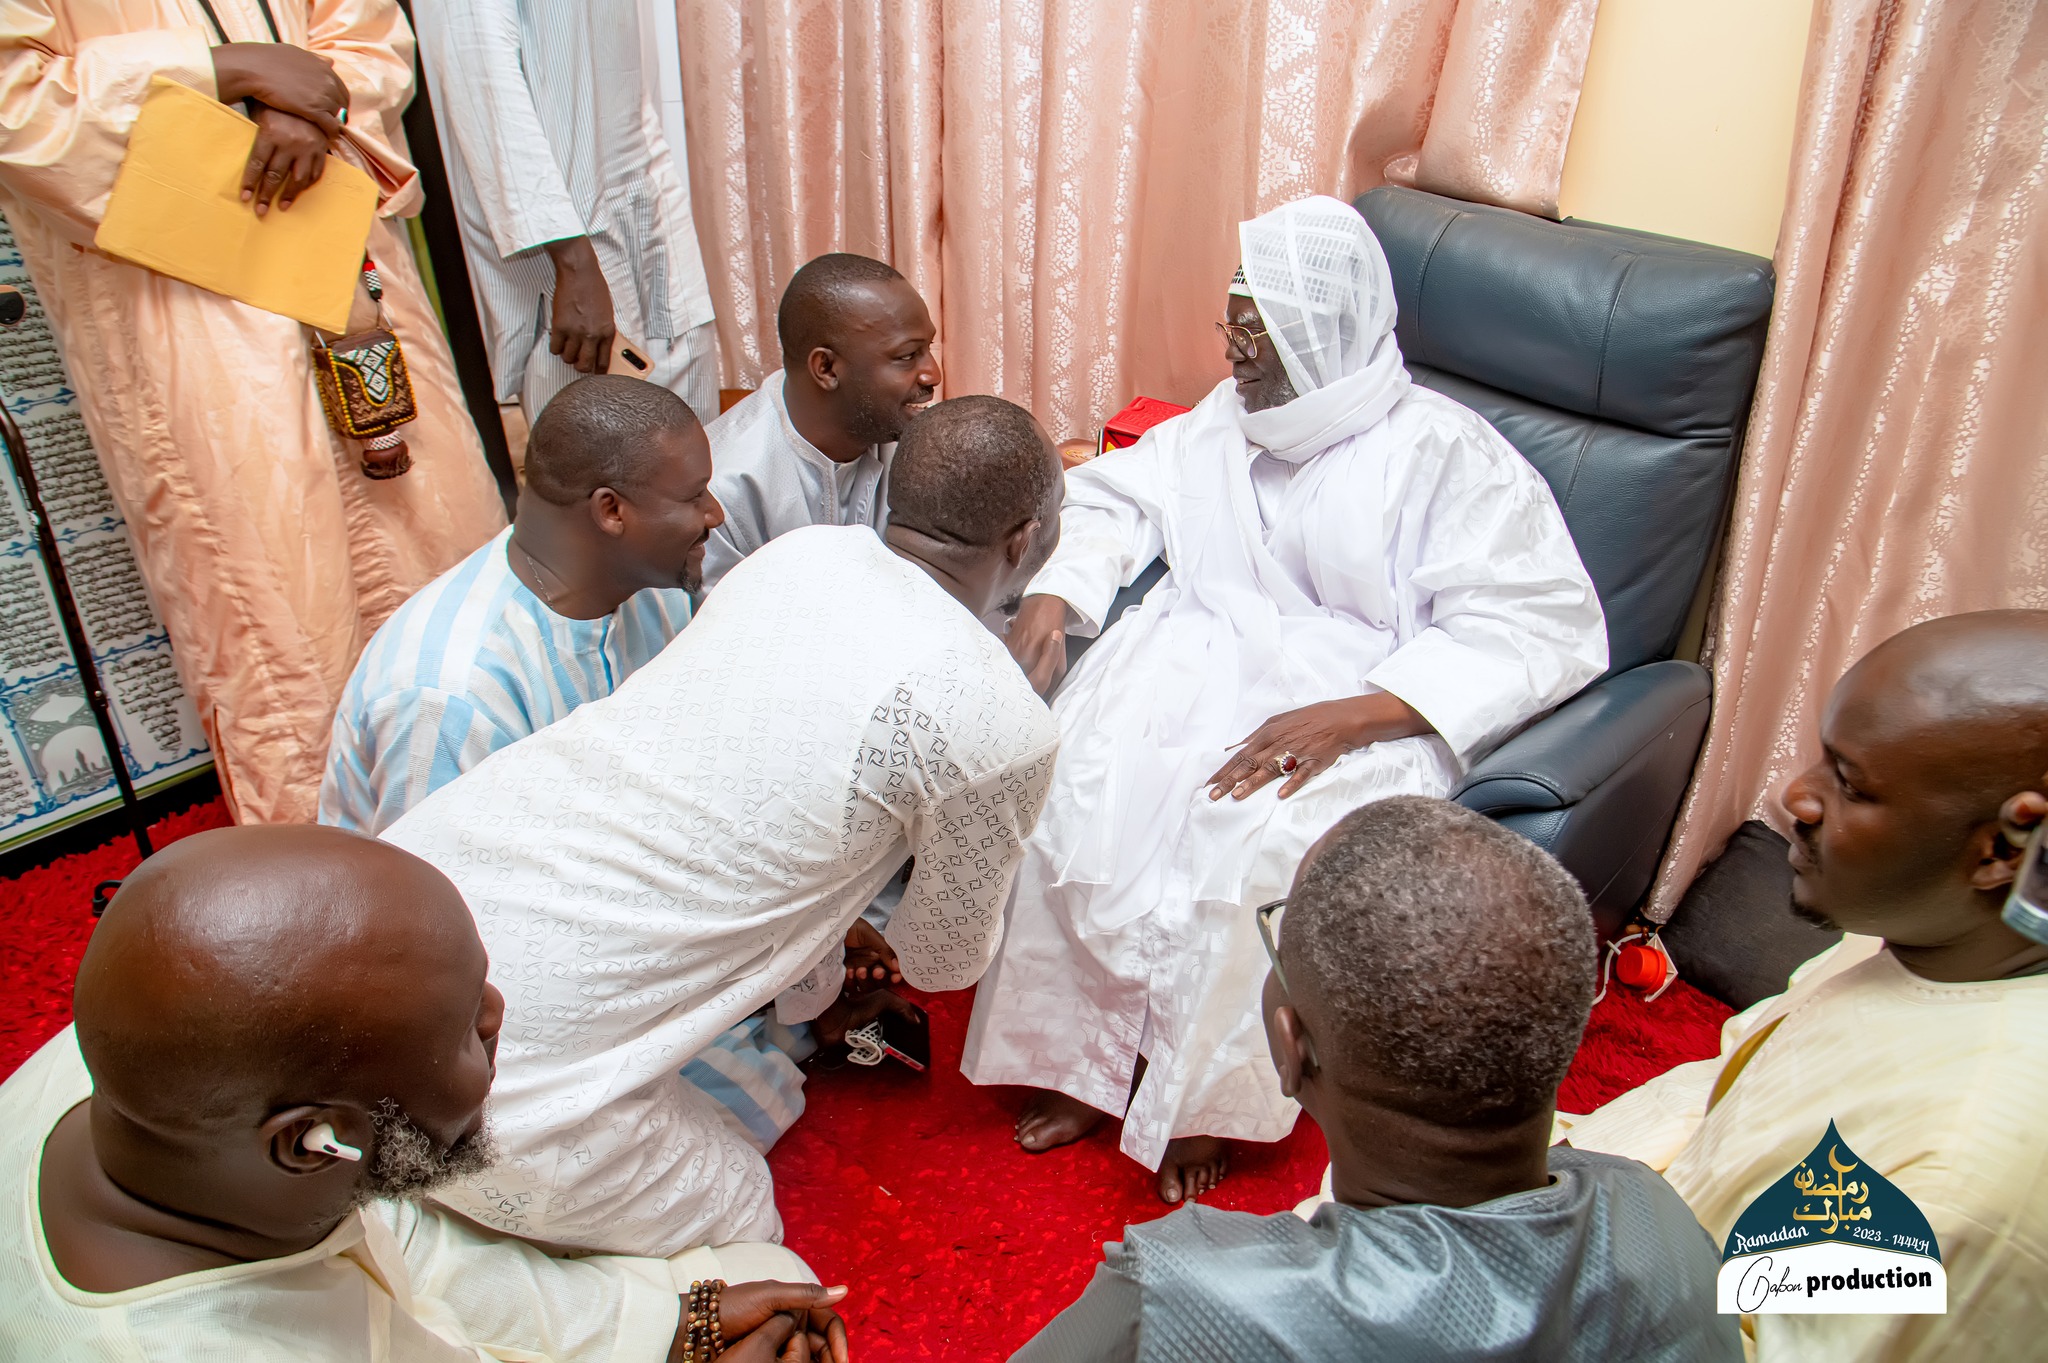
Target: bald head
{"x":1966,"y":696}
{"x":829,"y":297}
{"x":1444,"y":964}
{"x":248,"y":968}
{"x":1896,"y":828}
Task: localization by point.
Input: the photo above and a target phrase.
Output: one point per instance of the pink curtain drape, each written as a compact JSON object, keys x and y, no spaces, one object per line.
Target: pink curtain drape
{"x":1897,"y":461}
{"x":1062,"y":179}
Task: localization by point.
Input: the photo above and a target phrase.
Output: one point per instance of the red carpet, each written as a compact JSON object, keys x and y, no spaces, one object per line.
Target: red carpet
{"x":45,"y":917}
{"x":908,"y":1187}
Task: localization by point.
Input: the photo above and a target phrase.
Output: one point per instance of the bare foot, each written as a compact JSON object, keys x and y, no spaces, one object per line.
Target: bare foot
{"x":1192,"y":1166}
{"x":1053,"y":1119}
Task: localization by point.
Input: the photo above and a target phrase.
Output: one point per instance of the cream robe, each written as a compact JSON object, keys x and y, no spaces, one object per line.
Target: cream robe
{"x":1425,"y":558}
{"x":270,"y":558}
{"x":1936,"y":1086}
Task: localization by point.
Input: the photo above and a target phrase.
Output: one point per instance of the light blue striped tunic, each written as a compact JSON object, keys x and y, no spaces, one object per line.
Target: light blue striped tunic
{"x":475,"y":661}
{"x":471,"y":663}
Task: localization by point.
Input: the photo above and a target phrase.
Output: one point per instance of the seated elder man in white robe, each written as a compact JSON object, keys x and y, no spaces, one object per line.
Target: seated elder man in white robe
{"x":812,"y":446}
{"x":668,"y":859}
{"x":1369,"y":589}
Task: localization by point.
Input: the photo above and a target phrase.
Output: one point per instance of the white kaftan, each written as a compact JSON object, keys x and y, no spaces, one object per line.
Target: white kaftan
{"x":394,"y":1282}
{"x":668,"y":859}
{"x":771,"y":480}
{"x":1427,"y":559}
{"x":1363,"y":535}
{"x":550,"y":132}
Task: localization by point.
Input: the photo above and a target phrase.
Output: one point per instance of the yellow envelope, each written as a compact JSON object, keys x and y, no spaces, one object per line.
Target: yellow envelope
{"x":177,"y":209}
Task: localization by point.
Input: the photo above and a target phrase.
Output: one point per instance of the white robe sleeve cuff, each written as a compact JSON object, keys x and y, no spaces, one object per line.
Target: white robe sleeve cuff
{"x":1471,"y":698}
{"x":813,"y":994}
{"x":1086,"y":581}
{"x":649,"y":1310}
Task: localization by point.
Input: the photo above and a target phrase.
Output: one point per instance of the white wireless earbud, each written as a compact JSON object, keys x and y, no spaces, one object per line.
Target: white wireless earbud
{"x":321,"y":1141}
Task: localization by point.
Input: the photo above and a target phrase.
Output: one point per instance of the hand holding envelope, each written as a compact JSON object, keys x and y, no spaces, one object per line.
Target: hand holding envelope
{"x":177,"y":209}
{"x":300,"y":106}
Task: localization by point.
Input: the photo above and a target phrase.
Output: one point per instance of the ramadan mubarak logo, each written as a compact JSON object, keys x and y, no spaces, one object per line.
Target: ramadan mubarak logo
{"x":1833,"y":1237}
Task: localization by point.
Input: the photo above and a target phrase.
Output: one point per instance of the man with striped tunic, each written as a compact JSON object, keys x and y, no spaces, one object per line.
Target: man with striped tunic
{"x":590,"y":582}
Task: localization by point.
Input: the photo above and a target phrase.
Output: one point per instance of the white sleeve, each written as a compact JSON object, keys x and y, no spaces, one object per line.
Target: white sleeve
{"x":1650,"y":1123}
{"x":815,"y":992}
{"x":1109,"y":532}
{"x":979,"y":754}
{"x":1513,"y":625}
{"x":503,"y":1298}
{"x":967,"y":843}
{"x":472,"y":52}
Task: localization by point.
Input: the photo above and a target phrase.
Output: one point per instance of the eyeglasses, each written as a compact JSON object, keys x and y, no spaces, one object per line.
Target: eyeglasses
{"x":1241,"y":340}
{"x":1265,"y":914}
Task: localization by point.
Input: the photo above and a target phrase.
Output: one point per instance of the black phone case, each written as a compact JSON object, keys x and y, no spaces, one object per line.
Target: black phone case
{"x":913,"y":1039}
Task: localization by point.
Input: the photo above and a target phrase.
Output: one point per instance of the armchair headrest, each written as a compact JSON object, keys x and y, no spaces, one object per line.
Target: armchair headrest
{"x":1649,"y":332}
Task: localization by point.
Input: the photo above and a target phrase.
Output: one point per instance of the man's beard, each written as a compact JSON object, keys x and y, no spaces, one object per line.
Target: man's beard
{"x":1799,"y":910}
{"x":1276,"y":391}
{"x":874,"y":422}
{"x":406,"y":1163}
{"x":1813,"y":916}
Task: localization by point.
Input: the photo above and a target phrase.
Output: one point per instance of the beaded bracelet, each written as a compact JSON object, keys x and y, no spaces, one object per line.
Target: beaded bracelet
{"x":703,"y":1335}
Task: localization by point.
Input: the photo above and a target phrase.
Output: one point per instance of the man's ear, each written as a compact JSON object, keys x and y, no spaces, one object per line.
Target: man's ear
{"x":1292,"y":1052}
{"x":1996,"y":849}
{"x":284,"y":1136}
{"x":608,"y":512}
{"x":823,"y":366}
{"x":1017,"y":544}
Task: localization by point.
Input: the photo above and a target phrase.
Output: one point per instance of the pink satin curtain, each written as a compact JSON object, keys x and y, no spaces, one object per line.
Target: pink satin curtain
{"x":1062,"y":179}
{"x":1897,"y":463}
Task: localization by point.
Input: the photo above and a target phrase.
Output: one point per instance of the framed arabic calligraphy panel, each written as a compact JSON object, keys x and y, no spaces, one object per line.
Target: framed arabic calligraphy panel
{"x":53,"y":764}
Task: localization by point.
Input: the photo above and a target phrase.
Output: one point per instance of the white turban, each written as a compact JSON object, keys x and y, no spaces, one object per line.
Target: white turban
{"x":1323,"y":287}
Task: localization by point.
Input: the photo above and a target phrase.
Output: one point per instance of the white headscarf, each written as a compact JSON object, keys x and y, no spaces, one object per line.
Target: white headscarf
{"x":1322,"y":284}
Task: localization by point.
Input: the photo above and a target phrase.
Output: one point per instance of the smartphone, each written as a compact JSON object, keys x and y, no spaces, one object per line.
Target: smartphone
{"x":908,"y":1040}
{"x":629,"y":358}
{"x":2026,"y":907}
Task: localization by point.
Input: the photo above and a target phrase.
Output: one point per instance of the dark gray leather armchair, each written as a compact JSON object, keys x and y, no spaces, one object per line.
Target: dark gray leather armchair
{"x":1621,"y":365}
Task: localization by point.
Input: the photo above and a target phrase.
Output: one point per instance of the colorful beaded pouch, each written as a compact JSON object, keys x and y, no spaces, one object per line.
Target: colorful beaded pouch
{"x":365,"y":388}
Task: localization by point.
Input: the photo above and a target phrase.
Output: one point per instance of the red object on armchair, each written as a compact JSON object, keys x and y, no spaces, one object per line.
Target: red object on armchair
{"x":1133,"y":421}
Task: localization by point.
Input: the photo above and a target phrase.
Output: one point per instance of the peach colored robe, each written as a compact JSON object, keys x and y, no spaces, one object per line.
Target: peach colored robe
{"x":270,"y":557}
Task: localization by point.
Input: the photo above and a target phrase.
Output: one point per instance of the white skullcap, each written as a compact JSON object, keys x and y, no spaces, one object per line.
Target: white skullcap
{"x":1323,"y":286}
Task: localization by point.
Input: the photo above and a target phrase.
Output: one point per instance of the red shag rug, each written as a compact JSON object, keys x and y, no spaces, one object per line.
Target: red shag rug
{"x":907,"y":1187}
